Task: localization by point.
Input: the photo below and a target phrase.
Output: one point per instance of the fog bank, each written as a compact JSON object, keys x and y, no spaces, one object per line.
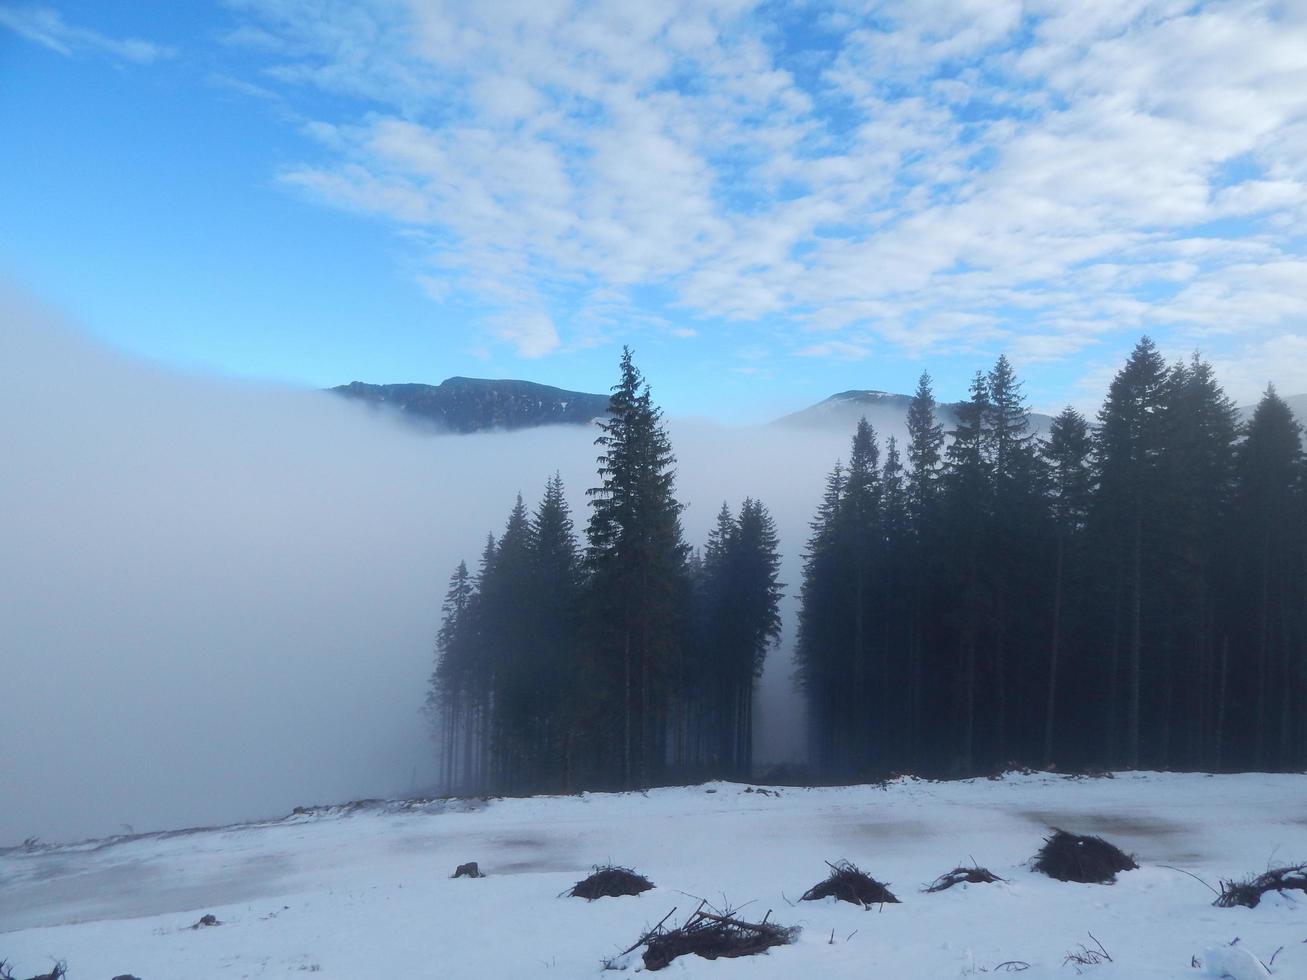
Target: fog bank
{"x":218,"y":599}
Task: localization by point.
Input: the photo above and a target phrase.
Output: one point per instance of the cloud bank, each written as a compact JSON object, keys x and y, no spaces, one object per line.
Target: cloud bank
{"x":896,"y":176}
{"x":218,"y":600}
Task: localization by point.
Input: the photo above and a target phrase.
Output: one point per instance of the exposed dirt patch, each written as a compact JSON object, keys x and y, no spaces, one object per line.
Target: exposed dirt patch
{"x":1111,"y":824}
{"x":536,"y":843}
{"x":889,"y":830}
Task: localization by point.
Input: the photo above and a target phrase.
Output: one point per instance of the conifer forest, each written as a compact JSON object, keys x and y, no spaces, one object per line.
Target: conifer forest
{"x":1127,"y":591}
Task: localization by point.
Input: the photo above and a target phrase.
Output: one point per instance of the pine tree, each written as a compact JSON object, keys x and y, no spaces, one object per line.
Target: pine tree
{"x":896,"y":616}
{"x":509,"y":638}
{"x":1200,"y":428}
{"x":1067,"y":457}
{"x":925,"y":450}
{"x":758,"y":589}
{"x":1128,"y":446}
{"x":1266,"y":631}
{"x":821,"y":674}
{"x":1014,"y":538}
{"x":925,"y":455}
{"x":449,"y":683}
{"x":638,"y":580}
{"x":555,"y":609}
{"x":859,"y":522}
{"x":968,"y":507}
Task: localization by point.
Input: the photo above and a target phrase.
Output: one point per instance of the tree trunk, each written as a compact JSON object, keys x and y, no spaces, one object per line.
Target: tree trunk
{"x":1136,"y":642}
{"x":1054,"y":648}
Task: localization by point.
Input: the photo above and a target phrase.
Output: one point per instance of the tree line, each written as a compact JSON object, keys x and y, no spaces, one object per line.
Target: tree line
{"x":624,"y":662}
{"x":1127,"y":593}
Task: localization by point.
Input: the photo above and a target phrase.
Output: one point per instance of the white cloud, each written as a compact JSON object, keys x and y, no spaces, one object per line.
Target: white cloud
{"x":531,"y":333}
{"x":944,"y":177}
{"x":45,"y":26}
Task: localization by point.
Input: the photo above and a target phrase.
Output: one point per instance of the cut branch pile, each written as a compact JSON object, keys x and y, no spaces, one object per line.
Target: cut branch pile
{"x":1249,"y":893}
{"x":975,"y":875}
{"x":1089,"y":860}
{"x":710,"y":934}
{"x":610,"y":881}
{"x":58,"y":973}
{"x":849,"y":883}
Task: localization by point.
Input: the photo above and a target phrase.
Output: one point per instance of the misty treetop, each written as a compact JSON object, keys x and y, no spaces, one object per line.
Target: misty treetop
{"x":629,"y":662}
{"x":1126,"y":592}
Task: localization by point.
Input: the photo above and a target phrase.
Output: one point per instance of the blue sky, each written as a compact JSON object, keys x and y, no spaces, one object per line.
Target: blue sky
{"x":769,"y":202}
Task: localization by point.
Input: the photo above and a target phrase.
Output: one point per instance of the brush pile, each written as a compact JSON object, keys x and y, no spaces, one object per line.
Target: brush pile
{"x":711,"y":934}
{"x":58,"y":973}
{"x":972,"y":876}
{"x":849,"y":883}
{"x":1249,"y":893}
{"x":1089,"y":860}
{"x":610,"y":881}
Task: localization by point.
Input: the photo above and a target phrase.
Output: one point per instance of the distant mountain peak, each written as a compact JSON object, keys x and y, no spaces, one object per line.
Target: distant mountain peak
{"x":843,"y":409}
{"x":461,"y":404}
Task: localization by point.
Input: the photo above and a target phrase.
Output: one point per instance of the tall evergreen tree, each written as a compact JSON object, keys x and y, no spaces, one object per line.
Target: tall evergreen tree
{"x":1267,"y":628}
{"x":1013,"y":541}
{"x":1066,"y":453}
{"x":859,"y":525}
{"x":925,"y":453}
{"x":968,"y":485}
{"x":451,"y":679}
{"x":556,"y":679}
{"x":1200,"y":429}
{"x":925,"y":449}
{"x":1128,"y":446}
{"x":821,"y":628}
{"x":638,"y":580}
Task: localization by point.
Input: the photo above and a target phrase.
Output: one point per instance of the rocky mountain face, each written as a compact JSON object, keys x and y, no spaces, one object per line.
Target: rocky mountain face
{"x":479,"y":404}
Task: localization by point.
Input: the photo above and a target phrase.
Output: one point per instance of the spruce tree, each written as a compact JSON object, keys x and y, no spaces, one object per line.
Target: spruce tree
{"x":1199,"y":434}
{"x":1066,"y":453}
{"x":925,"y":449}
{"x":1266,"y":593}
{"x":968,"y":486}
{"x":450,"y":680}
{"x":859,"y":526}
{"x":756,"y":584}
{"x":821,"y":673}
{"x":638,"y":581}
{"x":925,"y":454}
{"x":555,"y":608}
{"x":1128,"y":447}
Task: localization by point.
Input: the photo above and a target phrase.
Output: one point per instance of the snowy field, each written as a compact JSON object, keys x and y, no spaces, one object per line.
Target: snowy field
{"x":364,"y":893}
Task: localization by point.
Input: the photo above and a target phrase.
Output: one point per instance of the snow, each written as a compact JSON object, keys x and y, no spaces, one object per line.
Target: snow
{"x":1235,"y":962}
{"x":365,"y":891}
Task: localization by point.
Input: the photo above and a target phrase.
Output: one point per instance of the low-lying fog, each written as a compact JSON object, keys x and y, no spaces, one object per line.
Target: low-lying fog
{"x":218,"y":599}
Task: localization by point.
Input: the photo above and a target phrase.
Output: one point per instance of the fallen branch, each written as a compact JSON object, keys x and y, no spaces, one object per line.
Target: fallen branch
{"x":710,"y":934}
{"x":1249,"y":893}
{"x":974,"y":875}
{"x":849,"y":883}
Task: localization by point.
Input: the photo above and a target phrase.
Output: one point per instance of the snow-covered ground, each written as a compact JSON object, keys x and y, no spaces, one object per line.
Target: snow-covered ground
{"x":365,"y":893}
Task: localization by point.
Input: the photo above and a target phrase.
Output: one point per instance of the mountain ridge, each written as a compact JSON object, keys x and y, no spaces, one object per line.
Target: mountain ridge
{"x":461,"y":404}
{"x":464,"y":405}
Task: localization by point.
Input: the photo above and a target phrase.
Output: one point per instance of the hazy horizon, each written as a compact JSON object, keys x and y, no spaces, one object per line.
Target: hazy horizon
{"x":219,"y":599}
